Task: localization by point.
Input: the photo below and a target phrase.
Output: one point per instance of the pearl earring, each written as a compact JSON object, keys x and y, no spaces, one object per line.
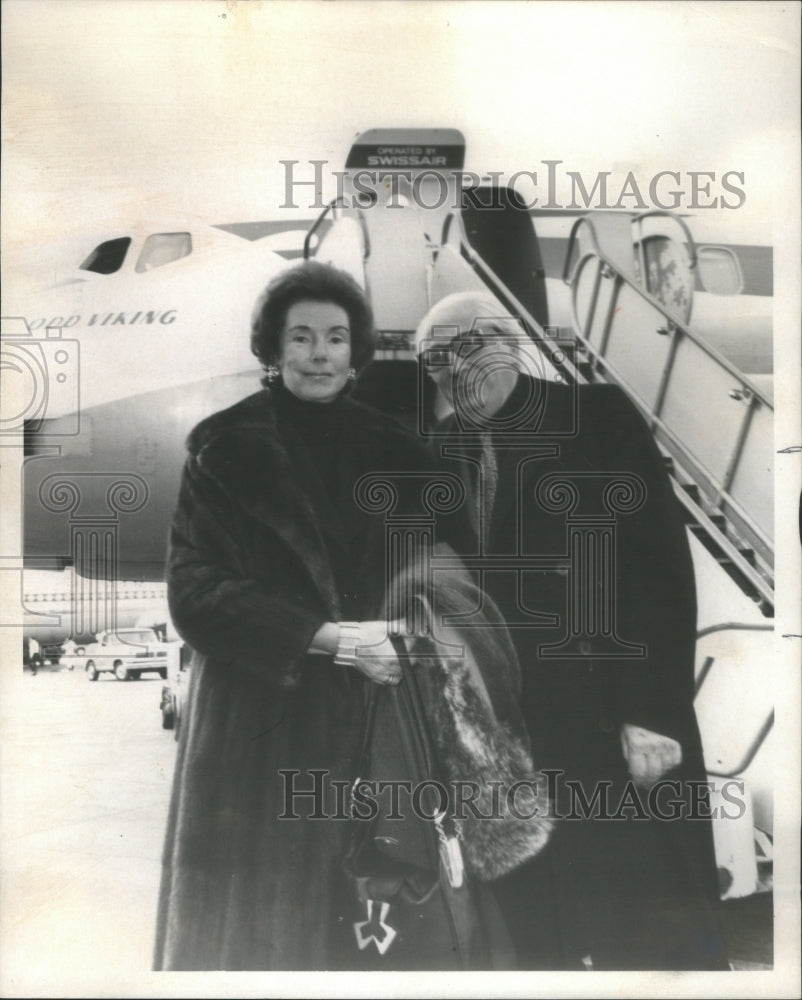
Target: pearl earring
{"x":351,"y":374}
{"x":272,"y":372}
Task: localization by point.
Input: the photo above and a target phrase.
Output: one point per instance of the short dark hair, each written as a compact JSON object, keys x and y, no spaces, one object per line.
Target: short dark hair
{"x":311,"y":282}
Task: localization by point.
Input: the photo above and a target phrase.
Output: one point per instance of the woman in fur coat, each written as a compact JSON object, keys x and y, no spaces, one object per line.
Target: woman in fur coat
{"x":276,"y":578}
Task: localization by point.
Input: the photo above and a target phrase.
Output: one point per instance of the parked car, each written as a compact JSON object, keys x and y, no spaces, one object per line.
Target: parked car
{"x":174,"y":692}
{"x":127,"y":653}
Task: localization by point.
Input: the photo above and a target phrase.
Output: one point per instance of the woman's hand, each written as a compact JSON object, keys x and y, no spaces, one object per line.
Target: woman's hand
{"x":375,"y":655}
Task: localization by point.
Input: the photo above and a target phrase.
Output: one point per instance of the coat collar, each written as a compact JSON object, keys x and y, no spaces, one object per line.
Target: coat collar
{"x":242,"y":451}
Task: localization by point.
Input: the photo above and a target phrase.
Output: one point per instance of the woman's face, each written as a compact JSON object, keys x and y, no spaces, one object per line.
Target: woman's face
{"x":315,"y":351}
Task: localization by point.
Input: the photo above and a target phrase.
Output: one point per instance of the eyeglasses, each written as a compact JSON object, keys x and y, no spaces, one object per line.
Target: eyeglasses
{"x":441,"y":356}
{"x":445,"y":354}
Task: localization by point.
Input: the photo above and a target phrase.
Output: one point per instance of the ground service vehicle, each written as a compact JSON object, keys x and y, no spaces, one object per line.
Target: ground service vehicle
{"x":127,"y":653}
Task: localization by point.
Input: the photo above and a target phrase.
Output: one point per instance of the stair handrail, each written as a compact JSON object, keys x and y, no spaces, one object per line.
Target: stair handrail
{"x":536,"y":332}
{"x":684,"y":327}
{"x":745,"y":523}
{"x":338,"y":202}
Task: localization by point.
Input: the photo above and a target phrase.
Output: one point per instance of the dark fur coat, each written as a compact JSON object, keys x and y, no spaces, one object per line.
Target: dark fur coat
{"x":257,"y":557}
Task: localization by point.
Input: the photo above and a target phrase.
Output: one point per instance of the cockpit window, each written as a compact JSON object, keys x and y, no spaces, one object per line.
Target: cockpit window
{"x":163,"y":248}
{"x":108,"y":257}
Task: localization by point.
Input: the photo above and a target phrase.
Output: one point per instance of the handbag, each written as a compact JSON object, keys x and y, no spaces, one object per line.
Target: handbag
{"x":415,"y":905}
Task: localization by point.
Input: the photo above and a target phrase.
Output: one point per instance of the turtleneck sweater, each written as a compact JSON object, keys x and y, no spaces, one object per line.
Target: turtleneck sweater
{"x":327,"y":463}
{"x":319,"y":427}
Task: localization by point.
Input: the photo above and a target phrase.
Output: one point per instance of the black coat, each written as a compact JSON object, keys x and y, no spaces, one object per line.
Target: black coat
{"x":553,"y":466}
{"x":267,"y":544}
{"x":258,"y":556}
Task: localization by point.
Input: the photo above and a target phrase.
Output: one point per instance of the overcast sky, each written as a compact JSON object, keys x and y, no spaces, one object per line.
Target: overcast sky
{"x":117,"y":110}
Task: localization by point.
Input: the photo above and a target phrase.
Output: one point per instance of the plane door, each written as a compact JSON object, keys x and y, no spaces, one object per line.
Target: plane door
{"x":499,"y":228}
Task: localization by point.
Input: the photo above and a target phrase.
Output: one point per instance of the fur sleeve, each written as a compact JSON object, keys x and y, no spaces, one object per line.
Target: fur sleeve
{"x":216,"y":608}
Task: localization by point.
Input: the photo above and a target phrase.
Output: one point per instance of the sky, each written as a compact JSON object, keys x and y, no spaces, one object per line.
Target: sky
{"x":137,"y":107}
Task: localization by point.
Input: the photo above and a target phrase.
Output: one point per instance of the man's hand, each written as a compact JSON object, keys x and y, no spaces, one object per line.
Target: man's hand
{"x":648,"y":755}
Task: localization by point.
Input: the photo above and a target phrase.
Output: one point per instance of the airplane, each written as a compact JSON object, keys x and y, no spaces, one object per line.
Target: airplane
{"x":134,"y":293}
{"x":104,"y":448}
{"x":116,"y":361}
{"x":59,"y":606}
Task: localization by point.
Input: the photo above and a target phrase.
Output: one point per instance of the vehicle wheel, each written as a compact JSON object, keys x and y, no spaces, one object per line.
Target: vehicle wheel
{"x":168,"y":717}
{"x":163,"y":673}
{"x":120,"y":672}
{"x":91,"y":671}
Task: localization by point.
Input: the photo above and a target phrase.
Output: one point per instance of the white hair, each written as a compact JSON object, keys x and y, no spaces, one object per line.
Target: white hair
{"x":460,"y":310}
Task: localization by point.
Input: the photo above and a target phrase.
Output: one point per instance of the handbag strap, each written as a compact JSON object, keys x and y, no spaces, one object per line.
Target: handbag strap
{"x":413,"y":730}
{"x":411,"y":712}
{"x":417,"y":716}
{"x":411,"y":715}
{"x":415,"y":736}
{"x":363,"y":758}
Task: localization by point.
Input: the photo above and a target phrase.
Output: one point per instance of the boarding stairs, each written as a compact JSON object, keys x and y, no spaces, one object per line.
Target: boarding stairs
{"x":712,"y":422}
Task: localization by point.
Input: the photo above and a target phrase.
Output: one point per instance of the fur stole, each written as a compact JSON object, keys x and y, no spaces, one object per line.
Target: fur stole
{"x":508,"y":820}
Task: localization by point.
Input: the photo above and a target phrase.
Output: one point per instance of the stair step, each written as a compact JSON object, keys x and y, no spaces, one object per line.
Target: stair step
{"x":692,"y":490}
